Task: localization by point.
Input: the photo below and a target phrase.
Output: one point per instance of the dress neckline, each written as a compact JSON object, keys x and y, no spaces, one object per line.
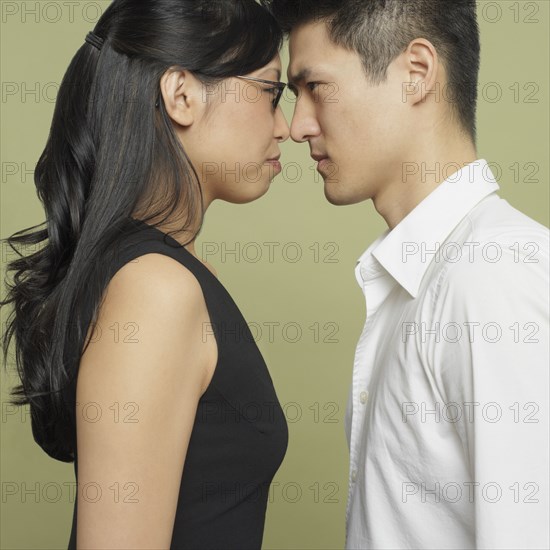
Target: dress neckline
{"x":169,"y":239}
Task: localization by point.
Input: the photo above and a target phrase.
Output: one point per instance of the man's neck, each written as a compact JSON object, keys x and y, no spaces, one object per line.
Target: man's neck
{"x":414,"y":181}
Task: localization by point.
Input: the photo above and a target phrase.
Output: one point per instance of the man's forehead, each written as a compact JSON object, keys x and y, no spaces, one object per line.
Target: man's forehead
{"x":308,"y":54}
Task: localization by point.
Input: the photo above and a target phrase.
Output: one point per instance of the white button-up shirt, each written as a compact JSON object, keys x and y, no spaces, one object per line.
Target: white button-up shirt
{"x":447,"y":417}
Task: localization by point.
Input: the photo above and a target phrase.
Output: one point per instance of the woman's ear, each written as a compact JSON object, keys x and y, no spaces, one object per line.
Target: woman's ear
{"x":182,"y":94}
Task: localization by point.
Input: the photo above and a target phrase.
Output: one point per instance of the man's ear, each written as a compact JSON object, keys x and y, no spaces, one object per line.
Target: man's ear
{"x":421,"y":65}
{"x":182,"y":93}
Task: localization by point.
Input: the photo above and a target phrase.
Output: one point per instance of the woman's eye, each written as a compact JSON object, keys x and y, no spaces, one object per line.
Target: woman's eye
{"x":274,"y":92}
{"x":312,"y":85}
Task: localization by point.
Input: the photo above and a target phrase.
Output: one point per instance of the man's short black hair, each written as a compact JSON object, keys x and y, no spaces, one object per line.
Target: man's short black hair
{"x":379,"y":30}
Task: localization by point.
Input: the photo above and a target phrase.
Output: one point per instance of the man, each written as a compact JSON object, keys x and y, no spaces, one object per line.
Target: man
{"x":447,"y":418}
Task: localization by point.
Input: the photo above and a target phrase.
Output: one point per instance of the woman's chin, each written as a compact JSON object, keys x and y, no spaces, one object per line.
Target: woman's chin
{"x":251,"y":195}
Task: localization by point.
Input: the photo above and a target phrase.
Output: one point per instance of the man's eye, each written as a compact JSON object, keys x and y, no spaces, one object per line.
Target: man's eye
{"x":273,"y":91}
{"x":312,"y":85}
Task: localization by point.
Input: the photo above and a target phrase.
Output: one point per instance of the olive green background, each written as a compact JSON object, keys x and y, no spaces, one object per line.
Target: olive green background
{"x":317,"y":294}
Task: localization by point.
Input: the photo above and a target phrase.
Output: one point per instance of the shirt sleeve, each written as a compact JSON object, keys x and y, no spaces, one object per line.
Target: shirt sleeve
{"x":492,"y":362}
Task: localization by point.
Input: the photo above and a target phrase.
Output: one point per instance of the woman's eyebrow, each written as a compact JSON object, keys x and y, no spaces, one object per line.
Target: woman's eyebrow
{"x":273,"y":69}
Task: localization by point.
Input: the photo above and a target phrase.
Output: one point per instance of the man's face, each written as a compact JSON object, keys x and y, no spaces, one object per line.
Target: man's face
{"x":361,"y":128}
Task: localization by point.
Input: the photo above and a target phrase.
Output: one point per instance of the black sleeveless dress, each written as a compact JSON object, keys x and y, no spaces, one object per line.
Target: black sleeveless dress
{"x":240,"y":433}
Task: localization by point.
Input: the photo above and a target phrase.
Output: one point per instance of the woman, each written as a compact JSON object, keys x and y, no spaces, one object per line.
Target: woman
{"x":135,"y":360}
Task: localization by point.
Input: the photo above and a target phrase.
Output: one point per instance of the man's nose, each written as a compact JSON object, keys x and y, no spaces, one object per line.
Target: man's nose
{"x":304,"y":125}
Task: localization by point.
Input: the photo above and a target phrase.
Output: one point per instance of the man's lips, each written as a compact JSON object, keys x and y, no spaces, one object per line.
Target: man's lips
{"x":318,"y":156}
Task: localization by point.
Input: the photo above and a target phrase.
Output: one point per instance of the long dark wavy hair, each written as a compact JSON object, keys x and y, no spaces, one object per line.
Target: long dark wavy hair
{"x":111,"y":152}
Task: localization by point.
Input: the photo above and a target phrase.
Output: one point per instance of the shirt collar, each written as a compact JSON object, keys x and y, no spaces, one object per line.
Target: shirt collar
{"x":428,"y":225}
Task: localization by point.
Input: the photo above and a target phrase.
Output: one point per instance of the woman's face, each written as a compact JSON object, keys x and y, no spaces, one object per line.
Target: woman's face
{"x":230,"y":132}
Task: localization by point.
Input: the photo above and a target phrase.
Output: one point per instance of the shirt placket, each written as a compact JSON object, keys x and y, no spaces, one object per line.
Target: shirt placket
{"x":370,"y":273}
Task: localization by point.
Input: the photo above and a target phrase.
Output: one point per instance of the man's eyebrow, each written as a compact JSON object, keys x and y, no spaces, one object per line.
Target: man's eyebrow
{"x":299,"y":76}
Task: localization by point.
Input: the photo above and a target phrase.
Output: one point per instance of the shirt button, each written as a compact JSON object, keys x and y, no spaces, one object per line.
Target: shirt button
{"x":363,"y":396}
{"x":354,"y":475}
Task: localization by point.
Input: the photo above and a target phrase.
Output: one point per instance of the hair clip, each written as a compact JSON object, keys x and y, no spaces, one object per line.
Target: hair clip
{"x":94,"y":40}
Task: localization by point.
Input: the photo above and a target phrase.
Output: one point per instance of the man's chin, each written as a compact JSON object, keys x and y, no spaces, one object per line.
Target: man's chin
{"x":337,"y":195}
